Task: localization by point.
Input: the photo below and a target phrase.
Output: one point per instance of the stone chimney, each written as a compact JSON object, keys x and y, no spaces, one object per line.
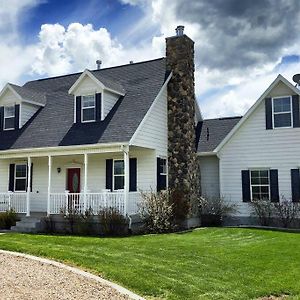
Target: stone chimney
{"x":183,"y":164}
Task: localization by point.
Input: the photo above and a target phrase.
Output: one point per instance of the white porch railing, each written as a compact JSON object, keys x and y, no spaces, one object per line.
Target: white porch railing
{"x":15,"y":201}
{"x":61,"y":202}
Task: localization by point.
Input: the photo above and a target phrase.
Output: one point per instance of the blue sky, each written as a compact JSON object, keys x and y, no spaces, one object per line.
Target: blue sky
{"x":240,"y":46}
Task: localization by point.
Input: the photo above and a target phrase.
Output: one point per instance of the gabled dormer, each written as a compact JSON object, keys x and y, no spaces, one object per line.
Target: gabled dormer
{"x":18,"y":105}
{"x":94,"y":96}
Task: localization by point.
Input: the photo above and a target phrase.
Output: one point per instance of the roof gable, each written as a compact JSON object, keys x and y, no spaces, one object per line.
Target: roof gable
{"x":100,"y":81}
{"x":279,"y":79}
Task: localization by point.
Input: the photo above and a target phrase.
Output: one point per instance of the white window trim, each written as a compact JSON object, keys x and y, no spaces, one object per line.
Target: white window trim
{"x":15,"y":178}
{"x":14,"y":116}
{"x":119,"y":175}
{"x":276,"y":113}
{"x":82,"y":108}
{"x":269,"y":185}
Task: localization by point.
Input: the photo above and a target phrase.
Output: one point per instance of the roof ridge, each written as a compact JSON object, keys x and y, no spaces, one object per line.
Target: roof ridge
{"x":77,"y":73}
{"x":224,"y":118}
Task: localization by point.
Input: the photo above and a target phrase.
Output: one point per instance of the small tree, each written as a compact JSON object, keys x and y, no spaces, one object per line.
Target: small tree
{"x":214,"y":209}
{"x":287,"y":211}
{"x":264,"y":210}
{"x":156,"y":211}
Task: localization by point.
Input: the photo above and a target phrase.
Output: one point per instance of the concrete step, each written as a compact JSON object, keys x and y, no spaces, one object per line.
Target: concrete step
{"x":27,"y":225}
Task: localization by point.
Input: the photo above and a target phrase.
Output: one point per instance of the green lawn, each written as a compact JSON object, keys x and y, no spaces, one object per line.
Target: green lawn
{"x":215,"y":263}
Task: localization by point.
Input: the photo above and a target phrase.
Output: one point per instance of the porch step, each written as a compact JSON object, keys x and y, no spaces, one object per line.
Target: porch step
{"x":27,"y":225}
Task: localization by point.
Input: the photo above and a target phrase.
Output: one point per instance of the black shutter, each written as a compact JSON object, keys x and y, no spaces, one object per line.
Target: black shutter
{"x":132,"y":174}
{"x":98,"y":107}
{"x":11,"y":182}
{"x":296,"y":113}
{"x":109,"y":174}
{"x":17,"y":116}
{"x":246,"y":185}
{"x":1,"y":118}
{"x":268,"y":108}
{"x":295,"y":181}
{"x":158,"y":181}
{"x":78,"y":109}
{"x":274,"y":186}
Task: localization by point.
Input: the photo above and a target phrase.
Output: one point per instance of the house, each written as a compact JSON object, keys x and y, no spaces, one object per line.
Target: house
{"x":96,"y":139}
{"x":255,"y":156}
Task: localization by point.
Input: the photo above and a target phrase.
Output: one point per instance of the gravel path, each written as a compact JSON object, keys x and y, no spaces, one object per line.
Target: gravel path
{"x":23,"y":278}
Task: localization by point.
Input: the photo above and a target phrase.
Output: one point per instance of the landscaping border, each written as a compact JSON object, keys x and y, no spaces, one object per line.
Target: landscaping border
{"x":77,"y":271}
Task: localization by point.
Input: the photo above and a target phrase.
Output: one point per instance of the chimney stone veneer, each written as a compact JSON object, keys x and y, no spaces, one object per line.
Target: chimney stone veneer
{"x":183,"y":164}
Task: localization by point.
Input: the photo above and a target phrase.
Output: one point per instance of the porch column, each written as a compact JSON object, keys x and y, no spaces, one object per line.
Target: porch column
{"x":85,"y":187}
{"x":49,"y":183}
{"x":126,"y":179}
{"x":28,"y":186}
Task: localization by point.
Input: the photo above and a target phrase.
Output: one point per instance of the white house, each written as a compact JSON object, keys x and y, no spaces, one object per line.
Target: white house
{"x":256,"y":156}
{"x":89,"y":140}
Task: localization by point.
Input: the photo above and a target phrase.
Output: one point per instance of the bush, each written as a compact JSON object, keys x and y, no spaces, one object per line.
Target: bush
{"x":214,"y":209}
{"x":156,"y":211}
{"x":85,"y":222}
{"x":287,"y":212}
{"x":72,"y":216}
{"x":48,"y":224}
{"x":8,"y":219}
{"x":112,"y":222}
{"x":264,"y":210}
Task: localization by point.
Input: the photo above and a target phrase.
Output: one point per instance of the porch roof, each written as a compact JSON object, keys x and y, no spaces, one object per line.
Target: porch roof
{"x":53,"y":125}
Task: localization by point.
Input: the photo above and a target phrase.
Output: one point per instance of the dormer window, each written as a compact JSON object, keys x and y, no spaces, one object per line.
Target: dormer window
{"x":282,"y":112}
{"x":88,"y":109}
{"x":9,"y":117}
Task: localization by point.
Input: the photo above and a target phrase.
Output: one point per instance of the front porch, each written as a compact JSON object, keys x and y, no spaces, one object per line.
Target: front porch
{"x":54,"y":184}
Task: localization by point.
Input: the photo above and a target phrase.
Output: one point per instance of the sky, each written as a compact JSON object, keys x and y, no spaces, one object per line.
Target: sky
{"x":240,"y":46}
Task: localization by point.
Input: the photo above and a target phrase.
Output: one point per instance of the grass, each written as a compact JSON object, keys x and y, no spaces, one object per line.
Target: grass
{"x":213,"y":263}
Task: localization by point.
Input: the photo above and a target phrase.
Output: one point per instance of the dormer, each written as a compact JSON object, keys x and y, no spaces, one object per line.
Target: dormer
{"x":18,"y":105}
{"x":94,"y":96}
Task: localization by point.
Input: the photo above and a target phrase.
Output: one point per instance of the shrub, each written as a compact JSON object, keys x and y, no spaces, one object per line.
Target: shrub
{"x":8,"y":219}
{"x":214,"y":209}
{"x":48,"y":224}
{"x":112,"y":222}
{"x":286,"y":211}
{"x":72,"y":216}
{"x":264,"y":210}
{"x":85,"y":222}
{"x":156,"y":211}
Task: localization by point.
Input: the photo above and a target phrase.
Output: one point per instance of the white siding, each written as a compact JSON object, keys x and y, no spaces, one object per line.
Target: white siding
{"x":146,"y":174}
{"x":9,"y":98}
{"x":109,"y":100}
{"x":153,"y":131}
{"x":252,"y":146}
{"x":86,"y":87}
{"x":27,"y":112}
{"x":209,"y":170}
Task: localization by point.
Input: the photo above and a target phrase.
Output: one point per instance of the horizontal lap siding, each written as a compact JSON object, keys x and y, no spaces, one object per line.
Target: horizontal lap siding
{"x":27,"y":111}
{"x":255,"y":147}
{"x":154,"y":131}
{"x":109,"y":101}
{"x":209,"y":170}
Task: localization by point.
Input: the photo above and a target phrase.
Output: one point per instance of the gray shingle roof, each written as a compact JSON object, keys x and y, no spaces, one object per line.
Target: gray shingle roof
{"x":53,"y":124}
{"x":109,"y":82}
{"x":211,"y":132}
{"x":30,"y":95}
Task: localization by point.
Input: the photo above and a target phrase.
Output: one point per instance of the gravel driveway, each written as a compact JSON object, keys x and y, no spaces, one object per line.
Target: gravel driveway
{"x":23,"y":278}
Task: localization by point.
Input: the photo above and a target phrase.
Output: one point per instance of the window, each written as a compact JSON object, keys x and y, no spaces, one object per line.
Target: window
{"x":119,"y":175}
{"x":282,"y":112}
{"x":20,"y":178}
{"x":9,"y":117}
{"x":88,"y":108}
{"x":260,"y":184}
{"x":163,"y":174}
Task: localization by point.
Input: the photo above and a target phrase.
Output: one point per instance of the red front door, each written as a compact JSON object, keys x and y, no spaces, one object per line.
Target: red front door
{"x":73,"y":180}
{"x":73,"y":186}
